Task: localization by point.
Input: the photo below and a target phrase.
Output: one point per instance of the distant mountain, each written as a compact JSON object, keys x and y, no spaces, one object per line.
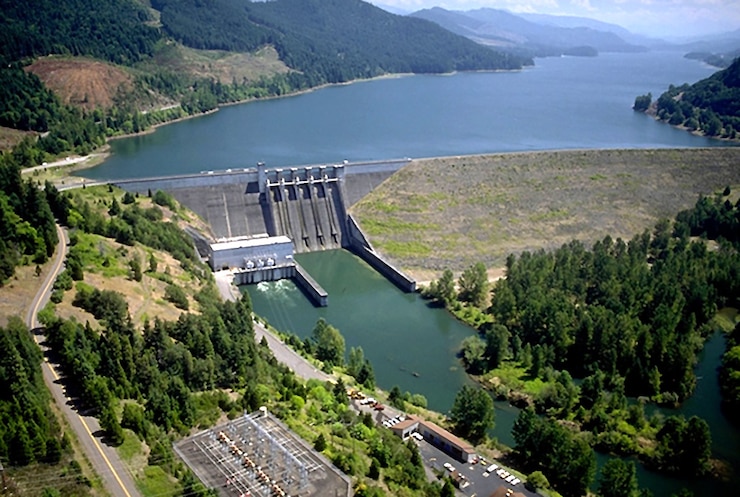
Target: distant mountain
{"x":328,"y":40}
{"x":724,"y":43}
{"x":393,"y":10}
{"x":718,"y":50}
{"x":507,"y":30}
{"x":586,"y":22}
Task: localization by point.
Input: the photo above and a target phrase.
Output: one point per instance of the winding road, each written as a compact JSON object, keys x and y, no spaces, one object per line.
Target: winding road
{"x":283,"y":353}
{"x":104,"y":459}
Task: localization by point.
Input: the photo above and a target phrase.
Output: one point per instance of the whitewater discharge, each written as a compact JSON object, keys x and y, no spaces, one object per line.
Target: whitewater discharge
{"x":280,"y":297}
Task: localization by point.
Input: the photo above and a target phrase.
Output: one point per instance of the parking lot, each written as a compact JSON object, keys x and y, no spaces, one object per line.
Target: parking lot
{"x":480,"y":482}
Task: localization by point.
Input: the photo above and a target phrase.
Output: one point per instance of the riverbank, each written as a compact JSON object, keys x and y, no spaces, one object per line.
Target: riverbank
{"x":652,"y":111}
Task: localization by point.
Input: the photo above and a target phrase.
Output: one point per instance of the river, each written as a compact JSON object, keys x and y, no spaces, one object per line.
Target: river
{"x":561,"y":103}
{"x":415,"y":347}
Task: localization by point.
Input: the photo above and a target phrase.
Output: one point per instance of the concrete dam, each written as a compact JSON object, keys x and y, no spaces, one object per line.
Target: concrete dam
{"x":253,"y":213}
{"x":309,"y":210}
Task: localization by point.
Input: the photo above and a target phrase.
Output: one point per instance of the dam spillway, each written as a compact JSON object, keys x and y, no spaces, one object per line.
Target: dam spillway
{"x":306,"y":208}
{"x":307,"y":205}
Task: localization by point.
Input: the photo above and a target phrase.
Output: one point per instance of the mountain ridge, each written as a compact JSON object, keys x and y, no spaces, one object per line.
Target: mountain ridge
{"x":502,"y":28}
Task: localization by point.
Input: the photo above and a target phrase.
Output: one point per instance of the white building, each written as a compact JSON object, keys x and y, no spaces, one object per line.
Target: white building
{"x":252,"y":253}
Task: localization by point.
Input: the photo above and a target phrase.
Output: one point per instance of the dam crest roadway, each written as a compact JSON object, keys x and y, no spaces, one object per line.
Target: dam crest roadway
{"x":260,"y":217}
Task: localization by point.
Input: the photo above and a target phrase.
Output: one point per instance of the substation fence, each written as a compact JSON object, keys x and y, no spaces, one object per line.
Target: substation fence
{"x":254,"y":455}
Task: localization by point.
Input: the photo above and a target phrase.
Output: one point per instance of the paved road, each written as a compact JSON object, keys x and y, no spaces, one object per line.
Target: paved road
{"x":104,"y":458}
{"x":283,"y":353}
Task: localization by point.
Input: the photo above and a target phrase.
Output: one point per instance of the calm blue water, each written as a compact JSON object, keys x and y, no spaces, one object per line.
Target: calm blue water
{"x":568,"y":102}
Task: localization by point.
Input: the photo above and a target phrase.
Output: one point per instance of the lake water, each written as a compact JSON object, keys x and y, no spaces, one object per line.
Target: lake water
{"x":560,"y":103}
{"x":568,"y":102}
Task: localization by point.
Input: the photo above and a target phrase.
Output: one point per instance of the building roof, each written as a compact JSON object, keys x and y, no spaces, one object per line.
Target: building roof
{"x":405,"y":424}
{"x":454,"y":440}
{"x":244,"y":242}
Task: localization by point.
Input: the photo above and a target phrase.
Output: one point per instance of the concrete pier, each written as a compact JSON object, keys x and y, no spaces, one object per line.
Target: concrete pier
{"x":360,"y":245}
{"x":310,"y":287}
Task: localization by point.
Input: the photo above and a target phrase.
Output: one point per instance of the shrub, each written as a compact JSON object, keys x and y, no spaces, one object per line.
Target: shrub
{"x":177,"y":296}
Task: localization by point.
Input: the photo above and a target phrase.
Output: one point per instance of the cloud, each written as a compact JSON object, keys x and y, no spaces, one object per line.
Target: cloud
{"x":583,"y":4}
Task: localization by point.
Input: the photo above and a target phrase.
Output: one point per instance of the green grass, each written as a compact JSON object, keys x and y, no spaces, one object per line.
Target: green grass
{"x":726,"y":319}
{"x":395,"y":226}
{"x":131,"y":446}
{"x":516,"y":377}
{"x":405,"y":249}
{"x":99,"y":257}
{"x":156,"y":483}
{"x":550,"y":215}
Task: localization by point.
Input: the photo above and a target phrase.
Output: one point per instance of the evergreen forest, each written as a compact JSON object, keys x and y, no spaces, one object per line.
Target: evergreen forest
{"x":571,"y":334}
{"x":710,"y":106}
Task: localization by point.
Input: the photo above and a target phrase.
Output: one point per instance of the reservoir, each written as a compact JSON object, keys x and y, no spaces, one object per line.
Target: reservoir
{"x":561,"y":103}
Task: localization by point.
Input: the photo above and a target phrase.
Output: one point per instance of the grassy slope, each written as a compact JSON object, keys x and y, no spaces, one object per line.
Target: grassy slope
{"x":107,"y":267}
{"x":453,"y":212}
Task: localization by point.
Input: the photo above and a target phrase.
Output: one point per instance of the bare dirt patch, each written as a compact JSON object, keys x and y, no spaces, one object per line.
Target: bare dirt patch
{"x":17,"y":294}
{"x":223,"y":66}
{"x":452,"y":212}
{"x":82,"y":82}
{"x":10,"y":137}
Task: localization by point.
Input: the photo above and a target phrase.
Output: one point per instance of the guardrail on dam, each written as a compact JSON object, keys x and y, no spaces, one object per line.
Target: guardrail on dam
{"x":307,"y":204}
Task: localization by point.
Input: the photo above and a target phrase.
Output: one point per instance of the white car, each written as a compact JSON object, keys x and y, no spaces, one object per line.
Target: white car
{"x":516,"y":481}
{"x":449,"y":467}
{"x":492,"y":468}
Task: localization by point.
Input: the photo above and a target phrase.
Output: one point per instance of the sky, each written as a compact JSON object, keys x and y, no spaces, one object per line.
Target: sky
{"x":661,"y":18}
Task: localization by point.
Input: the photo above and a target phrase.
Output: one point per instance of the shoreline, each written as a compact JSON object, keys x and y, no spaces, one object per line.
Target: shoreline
{"x":652,"y":113}
{"x":104,"y":151}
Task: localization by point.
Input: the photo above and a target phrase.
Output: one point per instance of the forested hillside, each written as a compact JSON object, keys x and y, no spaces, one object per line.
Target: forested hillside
{"x":319,"y":41}
{"x":328,"y":41}
{"x":113,"y":30}
{"x":27,"y":230}
{"x":710,"y":106}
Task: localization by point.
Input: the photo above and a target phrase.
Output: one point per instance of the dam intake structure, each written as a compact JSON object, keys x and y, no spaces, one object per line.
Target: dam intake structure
{"x":260,"y":217}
